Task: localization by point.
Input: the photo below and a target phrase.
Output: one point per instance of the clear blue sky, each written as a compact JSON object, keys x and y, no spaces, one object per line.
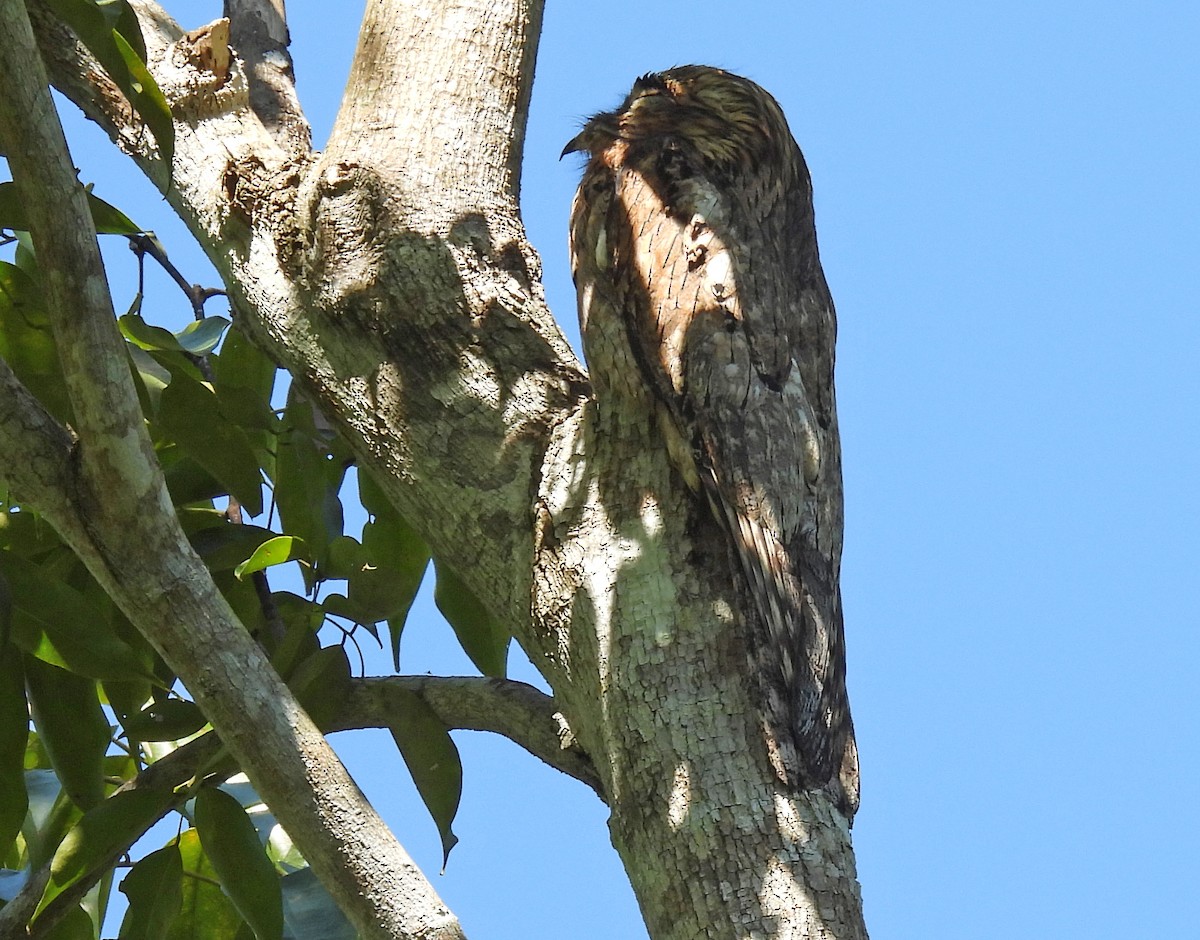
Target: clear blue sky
{"x":1009,"y":219}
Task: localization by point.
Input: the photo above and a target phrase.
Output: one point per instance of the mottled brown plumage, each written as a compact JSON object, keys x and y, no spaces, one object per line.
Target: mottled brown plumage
{"x":693,"y":230}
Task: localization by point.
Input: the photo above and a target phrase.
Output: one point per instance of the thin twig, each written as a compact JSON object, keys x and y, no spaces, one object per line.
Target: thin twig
{"x":147,"y":243}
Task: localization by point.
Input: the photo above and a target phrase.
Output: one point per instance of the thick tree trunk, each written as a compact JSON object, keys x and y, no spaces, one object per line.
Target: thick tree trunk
{"x":392,"y":278}
{"x":659,"y":696}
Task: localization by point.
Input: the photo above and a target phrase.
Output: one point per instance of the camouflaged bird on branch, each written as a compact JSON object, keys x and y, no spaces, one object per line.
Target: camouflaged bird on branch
{"x":692,"y":236}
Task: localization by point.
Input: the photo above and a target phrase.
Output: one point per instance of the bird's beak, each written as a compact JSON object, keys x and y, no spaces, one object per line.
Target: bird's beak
{"x":576,"y":144}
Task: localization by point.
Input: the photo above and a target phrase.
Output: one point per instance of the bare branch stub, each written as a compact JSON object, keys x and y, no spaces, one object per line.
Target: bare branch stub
{"x":207,"y":48}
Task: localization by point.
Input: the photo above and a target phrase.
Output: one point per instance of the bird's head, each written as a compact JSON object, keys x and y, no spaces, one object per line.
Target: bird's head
{"x":727,"y":121}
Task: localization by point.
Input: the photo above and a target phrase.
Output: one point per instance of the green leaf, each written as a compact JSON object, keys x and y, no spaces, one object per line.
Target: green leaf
{"x":480,"y":636}
{"x":123,"y":19}
{"x":121,"y":767}
{"x":177,"y":362}
{"x":399,"y":559}
{"x":307,"y":482}
{"x":99,"y":16}
{"x":76,"y":924}
{"x":125,"y":698}
{"x":280,"y":848}
{"x":87,"y":18}
{"x":276,"y":551}
{"x":135,"y":305}
{"x":254,"y":415}
{"x":242,"y":866}
{"x":72,"y":727}
{"x":251,"y":411}
{"x":168,"y":720}
{"x":190,"y":414}
{"x":146,"y":336}
{"x":147,"y":98}
{"x":303,"y":620}
{"x":386,"y":587}
{"x":22,"y":288}
{"x":187,"y":481}
{"x":241,"y":364}
{"x":25,"y":256}
{"x":58,"y":625}
{"x":222,"y":544}
{"x":27,"y":342}
{"x":51,"y":812}
{"x":111,"y":33}
{"x":155,"y":891}
{"x":278,"y":844}
{"x":243,"y":597}
{"x":207,"y":913}
{"x":433,"y":761}
{"x":345,"y":556}
{"x":14,"y":735}
{"x":6,"y":612}
{"x":244,"y":379}
{"x":105,"y":830}
{"x":338,"y":605}
{"x":154,"y":378}
{"x":27,"y":533}
{"x":200,"y":337}
{"x":12,"y":210}
{"x":320,"y":683}
{"x":108,"y":219}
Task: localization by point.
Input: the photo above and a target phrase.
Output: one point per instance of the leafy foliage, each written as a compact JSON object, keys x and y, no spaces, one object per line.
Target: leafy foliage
{"x":87,"y":705}
{"x":432,"y":760}
{"x":110,"y":30}
{"x":154,"y":887}
{"x":103,"y":831}
{"x":246,"y":874}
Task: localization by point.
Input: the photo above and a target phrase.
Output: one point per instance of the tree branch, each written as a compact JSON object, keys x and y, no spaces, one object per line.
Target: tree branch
{"x":461,"y":143}
{"x":81,"y":78}
{"x":391,"y":277}
{"x":396,"y":286}
{"x":121,"y":523}
{"x":519,"y":712}
{"x":34,"y":448}
{"x":173,"y":771}
{"x":515,"y":710}
{"x":453,"y":372}
{"x":259,"y":34}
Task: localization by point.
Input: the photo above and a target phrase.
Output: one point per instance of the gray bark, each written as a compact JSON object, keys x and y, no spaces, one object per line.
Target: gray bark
{"x":391,"y":276}
{"x":104,"y":492}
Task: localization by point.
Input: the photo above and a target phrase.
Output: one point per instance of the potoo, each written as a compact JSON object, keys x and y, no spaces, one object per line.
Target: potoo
{"x":692,"y":235}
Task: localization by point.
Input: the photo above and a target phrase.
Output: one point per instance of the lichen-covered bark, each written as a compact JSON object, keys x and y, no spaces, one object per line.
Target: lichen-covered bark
{"x":108,"y":500}
{"x":391,"y":276}
{"x":714,"y":845}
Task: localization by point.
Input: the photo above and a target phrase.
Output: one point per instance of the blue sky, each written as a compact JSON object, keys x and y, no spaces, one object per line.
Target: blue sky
{"x":1009,"y":219}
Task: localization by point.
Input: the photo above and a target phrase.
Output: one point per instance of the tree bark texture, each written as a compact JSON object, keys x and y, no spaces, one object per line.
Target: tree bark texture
{"x":106,"y":495}
{"x":390,"y":275}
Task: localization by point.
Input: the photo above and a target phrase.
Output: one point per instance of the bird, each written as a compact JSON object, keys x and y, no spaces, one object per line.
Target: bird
{"x":693,"y":242}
